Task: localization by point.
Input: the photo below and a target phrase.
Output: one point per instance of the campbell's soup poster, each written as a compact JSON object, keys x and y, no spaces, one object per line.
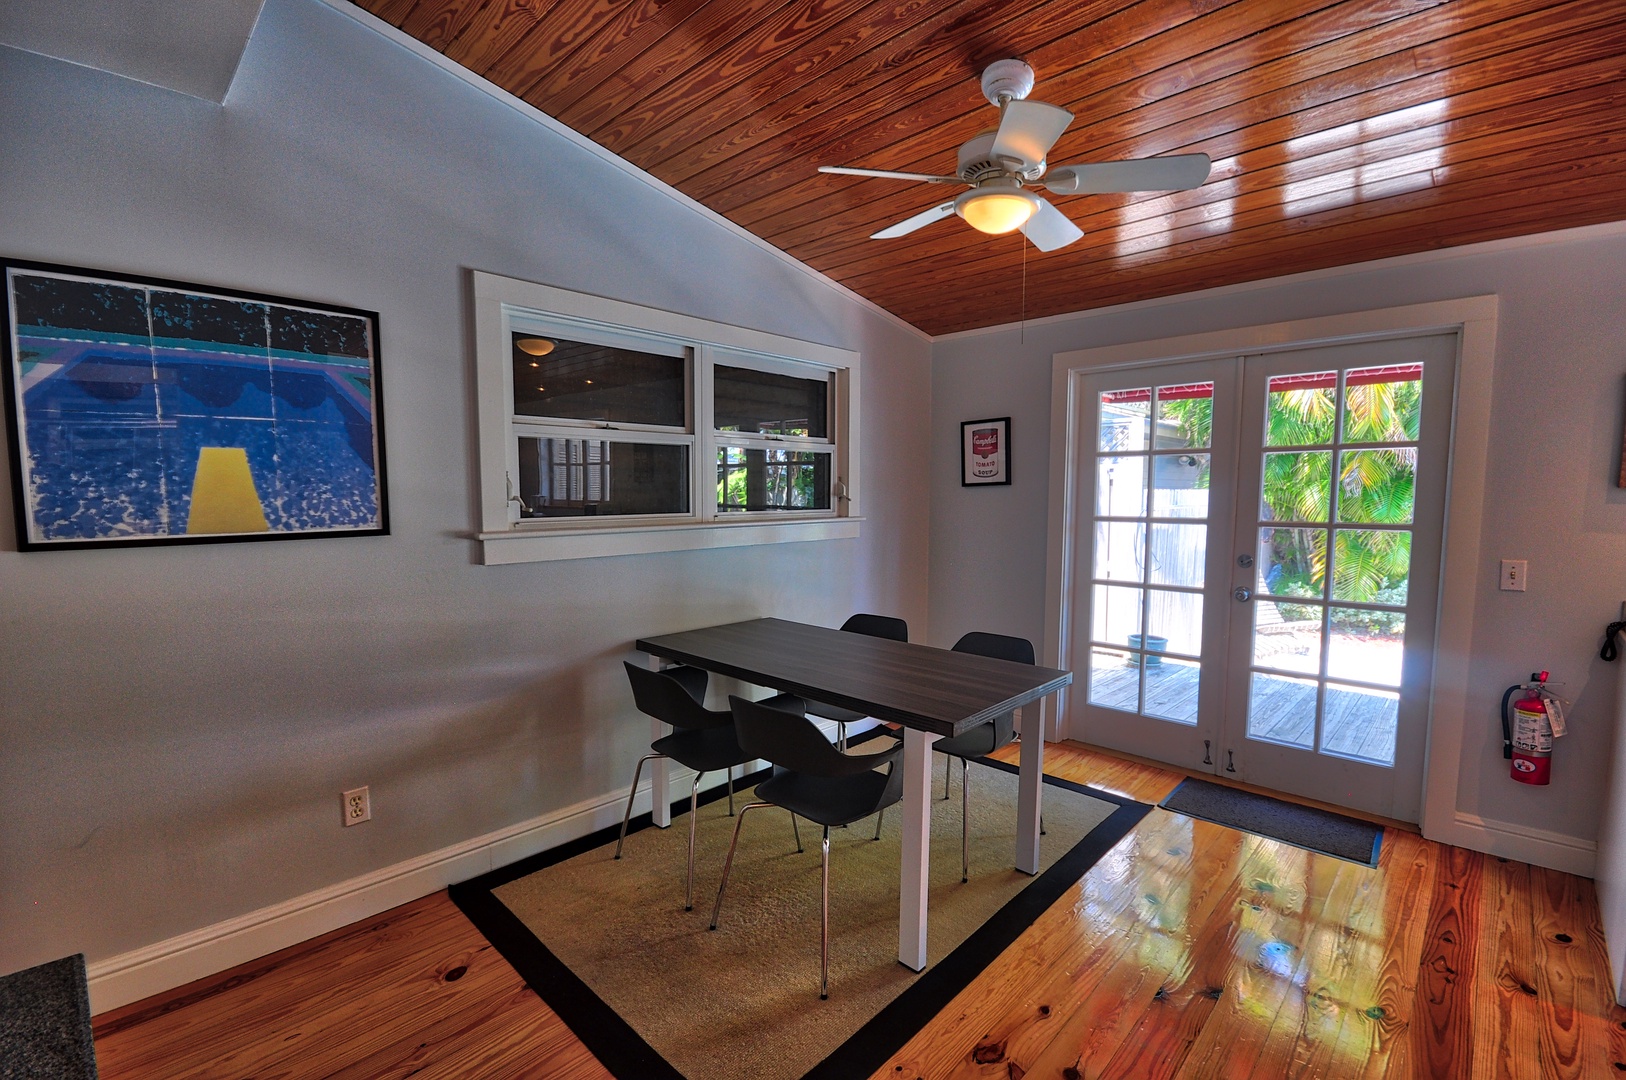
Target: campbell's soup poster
{"x":986,"y":452}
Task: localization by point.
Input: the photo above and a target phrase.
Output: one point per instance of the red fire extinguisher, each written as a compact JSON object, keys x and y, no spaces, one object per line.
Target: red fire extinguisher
{"x":1528,"y":728}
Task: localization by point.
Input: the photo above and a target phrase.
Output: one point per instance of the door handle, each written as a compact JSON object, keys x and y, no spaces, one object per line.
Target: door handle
{"x":1242,"y":593}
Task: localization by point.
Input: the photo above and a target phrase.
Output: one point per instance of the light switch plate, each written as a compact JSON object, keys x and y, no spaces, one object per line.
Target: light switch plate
{"x":1513,"y":575}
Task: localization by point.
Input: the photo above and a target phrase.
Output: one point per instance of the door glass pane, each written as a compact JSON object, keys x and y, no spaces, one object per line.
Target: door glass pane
{"x":1282,"y":710}
{"x":1361,"y":723}
{"x":1366,"y":645}
{"x":1185,"y":416}
{"x":1119,"y":550}
{"x":1114,"y":679}
{"x":575,"y":380}
{"x":772,"y":479}
{"x":766,"y":403}
{"x":1371,"y":566}
{"x":1120,"y":486}
{"x":1179,"y":554}
{"x":1287,"y":636}
{"x":1292,"y":562}
{"x":1377,"y":485}
{"x":596,"y":477}
{"x":1115,"y":614}
{"x":1297,"y":487}
{"x":1171,"y":688}
{"x":1300,"y":409}
{"x":1383,"y":404}
{"x":1180,"y":485}
{"x":1174,"y":622}
{"x":1126,"y":417}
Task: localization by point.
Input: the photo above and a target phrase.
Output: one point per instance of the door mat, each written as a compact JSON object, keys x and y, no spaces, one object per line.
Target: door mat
{"x":1302,"y":826}
{"x":653,"y":993}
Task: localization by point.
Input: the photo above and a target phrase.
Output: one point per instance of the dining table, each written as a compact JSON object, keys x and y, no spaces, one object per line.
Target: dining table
{"x":930,"y":693}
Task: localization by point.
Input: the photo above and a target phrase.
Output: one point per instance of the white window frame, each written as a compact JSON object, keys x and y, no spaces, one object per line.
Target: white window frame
{"x":503,"y":304}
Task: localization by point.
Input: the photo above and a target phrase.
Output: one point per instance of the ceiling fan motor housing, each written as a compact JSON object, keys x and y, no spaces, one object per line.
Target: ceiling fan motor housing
{"x":1006,"y":80}
{"x":976,"y":162}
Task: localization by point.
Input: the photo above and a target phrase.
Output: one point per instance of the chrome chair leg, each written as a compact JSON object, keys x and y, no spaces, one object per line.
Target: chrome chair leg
{"x":948,"y":767}
{"x":694,"y":807}
{"x":824,"y":916}
{"x":880,"y":816}
{"x":841,"y":735}
{"x":626,"y":817}
{"x":731,"y":791}
{"x":794,"y":829}
{"x":728,"y":863}
{"x":965,"y":822}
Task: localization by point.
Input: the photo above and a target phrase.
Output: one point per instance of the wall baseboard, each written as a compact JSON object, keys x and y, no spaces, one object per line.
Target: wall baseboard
{"x":164,"y":965}
{"x":1539,"y":847}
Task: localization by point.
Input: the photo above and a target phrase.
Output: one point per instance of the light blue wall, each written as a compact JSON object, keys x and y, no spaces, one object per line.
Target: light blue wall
{"x":177,"y":723}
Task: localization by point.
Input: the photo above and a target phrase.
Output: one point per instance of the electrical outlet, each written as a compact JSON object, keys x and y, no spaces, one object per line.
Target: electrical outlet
{"x":1513,"y":575}
{"x":358,"y":806}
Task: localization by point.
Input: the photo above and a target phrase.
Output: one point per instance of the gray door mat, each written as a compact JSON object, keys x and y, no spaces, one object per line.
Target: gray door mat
{"x":45,"y":1022}
{"x":1302,"y":826}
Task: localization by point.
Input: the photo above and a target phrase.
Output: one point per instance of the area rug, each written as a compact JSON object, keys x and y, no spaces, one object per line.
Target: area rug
{"x":653,"y":993}
{"x":1302,"y":826}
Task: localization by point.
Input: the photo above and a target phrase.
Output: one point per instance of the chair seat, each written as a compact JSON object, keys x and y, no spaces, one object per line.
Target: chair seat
{"x":827,"y":800}
{"x":702,"y":750}
{"x":980,"y":741}
{"x":835,"y":712}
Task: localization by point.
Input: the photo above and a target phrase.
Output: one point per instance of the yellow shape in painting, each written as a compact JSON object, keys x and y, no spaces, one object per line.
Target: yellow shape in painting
{"x":223,"y":495}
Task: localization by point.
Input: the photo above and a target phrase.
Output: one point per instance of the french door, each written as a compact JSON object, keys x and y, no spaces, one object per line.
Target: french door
{"x":1258,"y":565}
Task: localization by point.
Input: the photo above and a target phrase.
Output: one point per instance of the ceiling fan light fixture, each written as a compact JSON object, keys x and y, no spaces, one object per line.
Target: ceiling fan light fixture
{"x":534,"y":346}
{"x":996,"y":212}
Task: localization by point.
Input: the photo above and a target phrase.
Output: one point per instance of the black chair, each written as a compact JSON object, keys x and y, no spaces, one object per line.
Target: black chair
{"x":704,"y":740}
{"x":983,"y":739}
{"x":881,"y":626}
{"x":812,"y":779}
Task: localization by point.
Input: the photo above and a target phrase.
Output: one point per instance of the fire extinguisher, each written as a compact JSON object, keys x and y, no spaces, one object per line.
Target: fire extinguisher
{"x":1529,"y":727}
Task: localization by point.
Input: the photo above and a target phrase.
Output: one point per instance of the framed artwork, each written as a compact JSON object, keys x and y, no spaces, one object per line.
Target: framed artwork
{"x":142,"y":411}
{"x":985,"y":451}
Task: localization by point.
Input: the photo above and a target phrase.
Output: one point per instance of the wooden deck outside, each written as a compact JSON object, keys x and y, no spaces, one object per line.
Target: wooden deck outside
{"x":1189,"y":951}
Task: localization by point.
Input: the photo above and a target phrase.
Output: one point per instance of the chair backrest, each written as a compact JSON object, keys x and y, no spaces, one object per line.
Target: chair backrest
{"x":666,"y":697}
{"x":999,"y":646}
{"x":791,"y":741}
{"x":881,"y":626}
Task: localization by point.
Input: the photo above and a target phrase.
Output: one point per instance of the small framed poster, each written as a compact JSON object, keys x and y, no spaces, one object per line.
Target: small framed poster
{"x":985,"y":451}
{"x":144,"y":411}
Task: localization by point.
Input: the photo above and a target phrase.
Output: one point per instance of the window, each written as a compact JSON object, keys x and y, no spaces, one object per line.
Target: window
{"x":607,"y":428}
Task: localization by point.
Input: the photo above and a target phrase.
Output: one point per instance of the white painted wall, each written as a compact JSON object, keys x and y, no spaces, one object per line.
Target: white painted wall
{"x":177,"y":723}
{"x":1556,"y":437}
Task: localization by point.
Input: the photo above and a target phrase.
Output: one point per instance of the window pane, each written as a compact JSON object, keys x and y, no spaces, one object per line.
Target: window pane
{"x":765,"y":403}
{"x":1287,"y":636}
{"x":1377,"y":486}
{"x":1300,"y":409}
{"x":1119,"y":550}
{"x":1174,"y":622}
{"x":1371,"y":566}
{"x":1179,"y":554}
{"x":596,"y":477}
{"x":1297,"y":487}
{"x":1360,"y":723}
{"x":1282,"y":710}
{"x":1114,"y":679}
{"x":1292,"y":562}
{"x":1120,"y":486}
{"x":573,"y":380}
{"x":1171,"y":688}
{"x":1180,"y":485}
{"x":1185,"y":416}
{"x":1366,"y":645}
{"x":1125,"y":419}
{"x":1115,"y":613}
{"x":1383,"y":404}
{"x":772,"y":479}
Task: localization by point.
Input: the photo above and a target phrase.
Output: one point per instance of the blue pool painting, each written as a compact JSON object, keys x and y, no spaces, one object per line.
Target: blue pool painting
{"x":147,"y":411}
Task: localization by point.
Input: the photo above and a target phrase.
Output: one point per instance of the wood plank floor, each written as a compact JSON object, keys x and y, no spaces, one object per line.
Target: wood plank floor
{"x":1190,"y":950}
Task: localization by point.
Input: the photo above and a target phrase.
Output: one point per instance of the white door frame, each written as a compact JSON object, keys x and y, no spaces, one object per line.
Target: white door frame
{"x":1475,"y":319}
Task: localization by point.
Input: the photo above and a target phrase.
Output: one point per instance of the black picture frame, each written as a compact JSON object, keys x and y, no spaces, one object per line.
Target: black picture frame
{"x":143,"y":411}
{"x":991,"y":469}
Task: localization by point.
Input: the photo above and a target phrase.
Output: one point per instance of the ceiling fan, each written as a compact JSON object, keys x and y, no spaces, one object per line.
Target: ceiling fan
{"x":999,"y":165}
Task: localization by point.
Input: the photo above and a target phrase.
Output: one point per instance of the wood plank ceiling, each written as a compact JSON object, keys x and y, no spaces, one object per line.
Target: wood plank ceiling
{"x":1340,"y":131}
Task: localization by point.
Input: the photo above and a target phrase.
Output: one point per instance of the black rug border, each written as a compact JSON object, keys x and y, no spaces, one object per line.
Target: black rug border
{"x":621,"y":1050}
{"x":1377,"y":840}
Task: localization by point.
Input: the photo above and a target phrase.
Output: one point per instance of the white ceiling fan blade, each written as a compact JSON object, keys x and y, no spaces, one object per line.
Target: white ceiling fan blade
{"x":845,"y":171}
{"x":1027,"y":131}
{"x":919,"y":221}
{"x":1180,"y":172}
{"x":1049,"y":229}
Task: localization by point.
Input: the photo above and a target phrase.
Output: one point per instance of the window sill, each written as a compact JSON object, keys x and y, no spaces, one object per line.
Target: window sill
{"x":537,"y":545}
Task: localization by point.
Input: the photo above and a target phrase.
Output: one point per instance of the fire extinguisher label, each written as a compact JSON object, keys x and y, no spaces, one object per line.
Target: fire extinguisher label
{"x":1531,"y":732}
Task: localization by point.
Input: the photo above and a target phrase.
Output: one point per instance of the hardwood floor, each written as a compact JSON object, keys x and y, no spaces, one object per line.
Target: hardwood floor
{"x":1190,"y":950}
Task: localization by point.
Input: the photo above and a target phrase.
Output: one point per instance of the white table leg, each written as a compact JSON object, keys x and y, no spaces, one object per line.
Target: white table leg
{"x":917,"y":827}
{"x":1029,"y":787}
